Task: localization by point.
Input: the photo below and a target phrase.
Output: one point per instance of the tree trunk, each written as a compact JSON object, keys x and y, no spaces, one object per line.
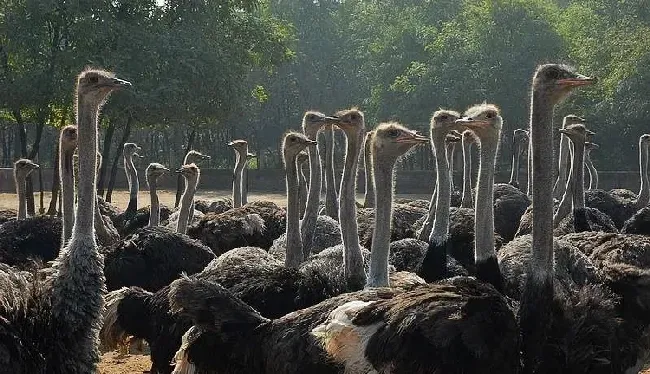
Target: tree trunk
{"x":180,"y":185}
{"x":106,"y":151}
{"x":116,"y":159}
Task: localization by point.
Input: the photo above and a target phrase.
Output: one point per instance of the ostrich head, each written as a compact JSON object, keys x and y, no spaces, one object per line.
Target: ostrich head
{"x":23,"y":167}
{"x":645,"y":139}
{"x":68,"y":139}
{"x":577,"y":132}
{"x":453,"y":137}
{"x":556,"y":81}
{"x":393,"y":140}
{"x":521,"y":136}
{"x":94,"y":86}
{"x":313,"y":121}
{"x":468,"y":137}
{"x":239,"y":145}
{"x":189,"y":171}
{"x":195,"y":156}
{"x":444,"y":121}
{"x":572,"y":119}
{"x":131,"y":149}
{"x":293,"y":144}
{"x":484,"y":120}
{"x":351,"y":121}
{"x":155,"y":170}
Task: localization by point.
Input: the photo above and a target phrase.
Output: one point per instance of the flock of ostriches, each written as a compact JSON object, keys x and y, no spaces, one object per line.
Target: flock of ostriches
{"x":475,"y":281}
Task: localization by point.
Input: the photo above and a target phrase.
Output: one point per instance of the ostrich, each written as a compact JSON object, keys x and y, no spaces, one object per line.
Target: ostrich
{"x":28,"y":238}
{"x":468,"y":139}
{"x":191,"y":174}
{"x":241,"y":151}
{"x":129,"y":151}
{"x":312,"y":122}
{"x":576,"y":134}
{"x":520,"y":140}
{"x":593,"y":173}
{"x":331,"y":194}
{"x":153,"y":172}
{"x":451,"y":140}
{"x":244,"y":192}
{"x":53,"y":327}
{"x":22,"y":168}
{"x":292,"y":145}
{"x":434,"y":264}
{"x":390,"y":141}
{"x":369,"y":199}
{"x":301,"y":159}
{"x":485,"y":122}
{"x":105,"y":231}
{"x":547,"y":314}
{"x":563,"y":159}
{"x":67,"y":147}
{"x":443,"y":121}
{"x":582,"y":219}
{"x":620,"y":204}
{"x":192,"y":157}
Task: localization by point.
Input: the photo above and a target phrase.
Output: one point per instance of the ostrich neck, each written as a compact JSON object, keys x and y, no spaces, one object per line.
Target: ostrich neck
{"x":294,"y":244}
{"x":330,"y":184}
{"x":644,"y":192}
{"x":353,"y":259}
{"x":529,"y":171}
{"x":440,"y":230}
{"x":22,"y":201}
{"x":154,"y":209}
{"x":186,"y":205}
{"x":87,"y":145}
{"x":302,"y":188}
{"x":484,"y":222}
{"x":451,"y":149}
{"x":563,"y":165}
{"x":593,"y":173}
{"x":577,"y":174}
{"x":369,"y":199}
{"x":134,"y":184}
{"x":236,"y":184}
{"x":541,"y":140}
{"x":467,"y":175}
{"x":308,"y":225}
{"x":383,"y":177}
{"x":514,"y":173}
{"x":66,"y":172}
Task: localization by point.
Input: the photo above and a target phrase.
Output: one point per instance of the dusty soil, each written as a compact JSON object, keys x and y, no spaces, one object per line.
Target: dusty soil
{"x":118,"y":363}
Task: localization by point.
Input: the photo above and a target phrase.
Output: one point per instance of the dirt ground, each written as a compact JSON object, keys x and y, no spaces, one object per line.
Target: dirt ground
{"x":117,"y":363}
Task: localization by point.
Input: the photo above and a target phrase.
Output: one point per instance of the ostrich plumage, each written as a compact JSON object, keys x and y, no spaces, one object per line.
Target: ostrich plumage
{"x":153,"y":257}
{"x":403,"y":222}
{"x":326,"y":235}
{"x":639,"y":223}
{"x":35,"y":238}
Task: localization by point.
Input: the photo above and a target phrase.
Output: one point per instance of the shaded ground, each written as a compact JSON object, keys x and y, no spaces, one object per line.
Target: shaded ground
{"x":117,"y":363}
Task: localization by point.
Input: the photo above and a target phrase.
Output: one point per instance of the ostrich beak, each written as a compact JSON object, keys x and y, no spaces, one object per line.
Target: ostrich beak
{"x":178,"y":171}
{"x":250,"y":155}
{"x":311,"y":142}
{"x":36,"y":166}
{"x":206,"y":157}
{"x":471,"y":123}
{"x":564,"y":131}
{"x":412,"y":138}
{"x":577,"y":81}
{"x":120,"y":83}
{"x":230,"y":144}
{"x":331,"y":119}
{"x":589,"y":132}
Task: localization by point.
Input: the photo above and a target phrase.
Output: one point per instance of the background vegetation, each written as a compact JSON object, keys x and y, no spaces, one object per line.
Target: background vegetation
{"x":205,"y":72}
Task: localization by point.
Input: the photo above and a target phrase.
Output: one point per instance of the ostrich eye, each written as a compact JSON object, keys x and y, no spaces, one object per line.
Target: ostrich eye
{"x":311,"y":116}
{"x":489,"y":115}
{"x":354,"y":116}
{"x":444,"y":117}
{"x":93,"y":79}
{"x":394,"y":133}
{"x":554,"y":74}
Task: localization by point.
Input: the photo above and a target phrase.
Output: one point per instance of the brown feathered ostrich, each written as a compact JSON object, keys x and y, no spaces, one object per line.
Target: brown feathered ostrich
{"x":67,"y":147}
{"x":564,"y":157}
{"x":191,"y":173}
{"x":53,"y":327}
{"x":22,"y":168}
{"x":153,"y":172}
{"x":241,"y":160}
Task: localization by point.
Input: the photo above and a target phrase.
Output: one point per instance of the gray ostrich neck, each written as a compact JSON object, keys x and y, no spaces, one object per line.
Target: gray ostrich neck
{"x":353,"y":259}
{"x":187,"y":205}
{"x":514,"y":173}
{"x":529,"y":171}
{"x":86,"y":200}
{"x":593,"y":173}
{"x":644,"y":192}
{"x":22,"y":200}
{"x":134,"y":183}
{"x":577,"y":174}
{"x":440,"y":230}
{"x":563,"y":164}
{"x":240,"y":162}
{"x":294,"y":243}
{"x":66,"y":172}
{"x":542,"y":171}
{"x":383,"y":176}
{"x":331,"y":198}
{"x":484,"y":222}
{"x":308,"y":225}
{"x":467,"y":175}
{"x":451,"y":149}
{"x":154,"y":209}
{"x":369,"y":199}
